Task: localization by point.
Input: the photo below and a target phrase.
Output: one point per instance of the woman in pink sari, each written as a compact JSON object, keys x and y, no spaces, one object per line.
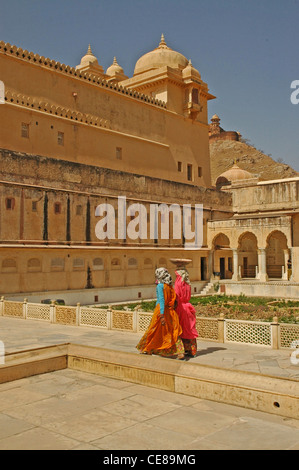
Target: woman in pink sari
{"x":186,"y":312}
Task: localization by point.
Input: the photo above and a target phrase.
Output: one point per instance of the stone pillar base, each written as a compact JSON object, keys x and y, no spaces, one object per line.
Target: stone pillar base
{"x":263,"y":277}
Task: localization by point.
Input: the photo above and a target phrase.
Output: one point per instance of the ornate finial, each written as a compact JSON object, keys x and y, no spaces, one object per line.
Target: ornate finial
{"x":89,"y":50}
{"x":190,"y":63}
{"x":115,"y":61}
{"x":162,"y":42}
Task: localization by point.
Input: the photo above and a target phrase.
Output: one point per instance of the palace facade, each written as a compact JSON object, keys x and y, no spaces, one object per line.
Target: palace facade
{"x":76,"y":138}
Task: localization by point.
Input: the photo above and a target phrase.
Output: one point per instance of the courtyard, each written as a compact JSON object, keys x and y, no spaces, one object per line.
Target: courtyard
{"x":70,"y":409}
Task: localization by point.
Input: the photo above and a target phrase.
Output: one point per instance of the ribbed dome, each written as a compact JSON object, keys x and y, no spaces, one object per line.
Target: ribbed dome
{"x":235,"y":173}
{"x":160,"y":57}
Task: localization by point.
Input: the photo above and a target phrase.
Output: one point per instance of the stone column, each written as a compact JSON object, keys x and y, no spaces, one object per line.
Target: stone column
{"x":78,"y":314}
{"x":285,"y":276}
{"x":52,"y":312}
{"x":25,"y":308}
{"x":211,"y":264}
{"x":2,"y":306}
{"x":221,"y":326}
{"x":109,"y":317}
{"x":263,"y":277}
{"x":275,"y":333}
{"x":291,"y":270}
{"x":236,"y":276}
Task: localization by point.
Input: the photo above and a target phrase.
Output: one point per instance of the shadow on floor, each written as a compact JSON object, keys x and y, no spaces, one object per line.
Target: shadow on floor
{"x":203,"y":352}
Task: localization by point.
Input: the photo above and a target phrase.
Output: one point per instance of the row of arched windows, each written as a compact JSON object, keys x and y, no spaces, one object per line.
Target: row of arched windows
{"x":58,"y":263}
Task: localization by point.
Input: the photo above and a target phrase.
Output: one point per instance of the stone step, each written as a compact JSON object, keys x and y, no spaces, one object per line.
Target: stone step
{"x":207,"y":289}
{"x":276,"y":395}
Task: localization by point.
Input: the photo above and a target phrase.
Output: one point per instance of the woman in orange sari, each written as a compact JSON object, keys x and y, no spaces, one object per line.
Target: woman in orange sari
{"x":163,"y":334}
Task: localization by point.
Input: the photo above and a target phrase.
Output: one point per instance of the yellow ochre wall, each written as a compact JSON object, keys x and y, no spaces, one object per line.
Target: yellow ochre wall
{"x":153,"y":140}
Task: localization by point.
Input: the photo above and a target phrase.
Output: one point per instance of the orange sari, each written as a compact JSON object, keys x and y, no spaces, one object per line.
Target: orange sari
{"x":163,"y":340}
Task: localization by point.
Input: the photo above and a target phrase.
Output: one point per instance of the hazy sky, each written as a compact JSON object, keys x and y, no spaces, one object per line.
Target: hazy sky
{"x":246,"y":50}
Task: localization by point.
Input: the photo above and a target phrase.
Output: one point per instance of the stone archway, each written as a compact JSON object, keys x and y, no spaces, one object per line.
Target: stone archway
{"x":277,"y":255}
{"x":248,"y":255}
{"x":222,"y":257}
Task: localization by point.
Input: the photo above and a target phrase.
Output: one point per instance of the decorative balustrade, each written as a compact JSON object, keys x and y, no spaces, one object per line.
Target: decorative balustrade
{"x":250,"y":332}
{"x":269,"y":334}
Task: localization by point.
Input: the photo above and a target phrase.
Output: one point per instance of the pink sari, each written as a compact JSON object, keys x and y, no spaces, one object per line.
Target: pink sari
{"x":186,"y":313}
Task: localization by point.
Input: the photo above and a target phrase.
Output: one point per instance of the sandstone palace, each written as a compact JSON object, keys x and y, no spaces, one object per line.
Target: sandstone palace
{"x":75,"y":138}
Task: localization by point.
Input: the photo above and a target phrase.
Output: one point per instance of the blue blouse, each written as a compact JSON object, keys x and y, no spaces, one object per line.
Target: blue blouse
{"x":160,"y":297}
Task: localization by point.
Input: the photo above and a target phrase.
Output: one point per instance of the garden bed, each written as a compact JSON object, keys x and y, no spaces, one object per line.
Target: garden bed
{"x":233,"y":307}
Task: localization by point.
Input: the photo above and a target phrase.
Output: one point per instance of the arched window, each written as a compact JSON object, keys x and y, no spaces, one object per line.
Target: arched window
{"x":276,"y":250}
{"x":57,"y":264}
{"x":115,"y":263}
{"x":248,"y":254}
{"x":132,"y":263}
{"x":78,"y":263}
{"x":34,"y":265}
{"x":9,"y":265}
{"x":98,"y":264}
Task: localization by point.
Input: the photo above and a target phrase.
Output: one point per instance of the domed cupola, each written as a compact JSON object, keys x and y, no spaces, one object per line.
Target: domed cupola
{"x":115,"y":72}
{"x":234,"y":175}
{"x":169,"y":77}
{"x":89,"y":63}
{"x":191,"y":73}
{"x":160,"y":57}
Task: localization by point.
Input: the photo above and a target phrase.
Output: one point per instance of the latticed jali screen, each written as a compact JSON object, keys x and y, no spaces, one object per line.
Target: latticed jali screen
{"x":94,"y":317}
{"x":13,"y":309}
{"x":238,"y":331}
{"x":38,"y":312}
{"x":289,"y":334}
{"x":207,"y":328}
{"x":248,"y":332}
{"x":66,"y":315}
{"x":122,"y":320}
{"x":144,"y":320}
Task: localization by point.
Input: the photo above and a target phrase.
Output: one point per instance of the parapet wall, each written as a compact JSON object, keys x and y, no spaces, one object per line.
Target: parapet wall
{"x":36,"y":59}
{"x":225,"y":135}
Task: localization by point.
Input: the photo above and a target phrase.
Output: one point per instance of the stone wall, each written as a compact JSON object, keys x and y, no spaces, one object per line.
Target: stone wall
{"x":48,"y":220}
{"x":80,"y":118}
{"x":273,"y":195}
{"x":28,"y":269}
{"x":225,"y":135}
{"x":37,"y":170}
{"x":257,"y":289}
